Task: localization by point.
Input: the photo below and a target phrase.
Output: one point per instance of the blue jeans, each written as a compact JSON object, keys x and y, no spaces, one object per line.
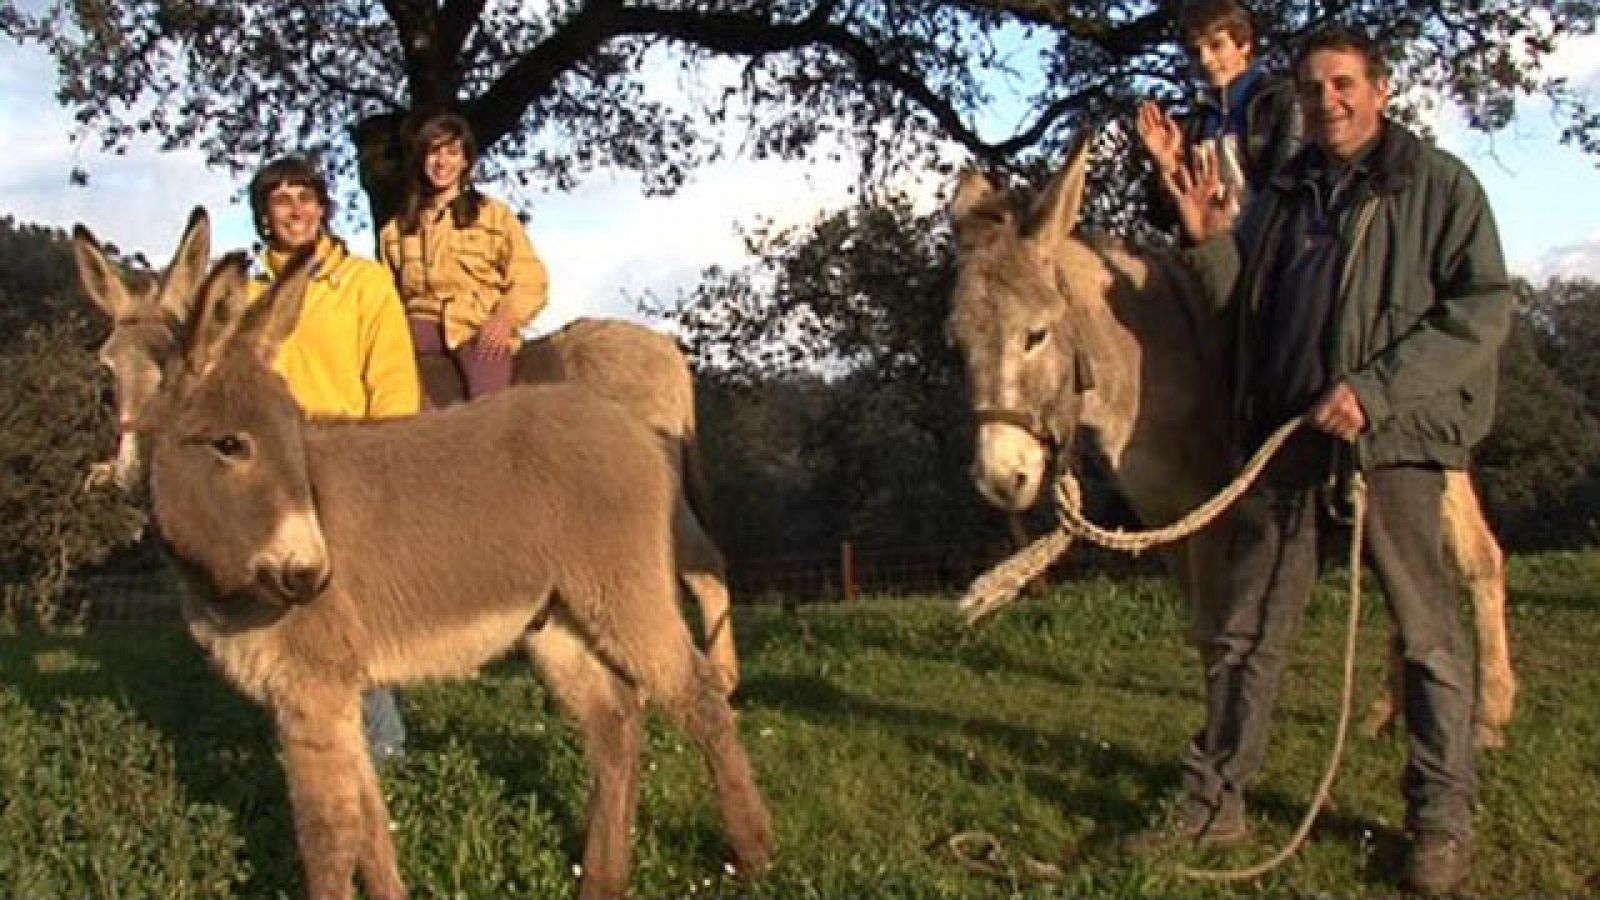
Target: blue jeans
{"x":380,"y":720}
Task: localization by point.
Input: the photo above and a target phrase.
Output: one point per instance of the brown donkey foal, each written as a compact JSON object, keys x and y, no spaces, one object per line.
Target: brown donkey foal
{"x":327,"y":557}
{"x":624,"y":362}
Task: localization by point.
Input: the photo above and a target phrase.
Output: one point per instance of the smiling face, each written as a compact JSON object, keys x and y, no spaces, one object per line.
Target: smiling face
{"x":295,"y":215}
{"x":1218,"y":56}
{"x":1342,"y":101}
{"x":444,"y":165}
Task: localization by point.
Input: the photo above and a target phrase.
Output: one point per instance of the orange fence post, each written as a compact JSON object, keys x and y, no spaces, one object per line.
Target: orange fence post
{"x":847,"y":571}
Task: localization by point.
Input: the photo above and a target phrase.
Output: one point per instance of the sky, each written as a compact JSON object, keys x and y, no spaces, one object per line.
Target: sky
{"x":606,"y":244}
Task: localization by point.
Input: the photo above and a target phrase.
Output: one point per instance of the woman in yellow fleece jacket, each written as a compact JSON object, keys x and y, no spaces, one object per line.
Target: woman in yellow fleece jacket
{"x":466,"y":271}
{"x":349,"y":354}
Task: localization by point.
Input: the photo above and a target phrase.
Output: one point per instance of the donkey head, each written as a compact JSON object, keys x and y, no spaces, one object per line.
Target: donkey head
{"x":229,"y":481}
{"x":149,"y":318}
{"x":1017,"y":329}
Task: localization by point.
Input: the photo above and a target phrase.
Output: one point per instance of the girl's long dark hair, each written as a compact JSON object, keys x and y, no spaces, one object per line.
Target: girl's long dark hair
{"x":435,"y":130}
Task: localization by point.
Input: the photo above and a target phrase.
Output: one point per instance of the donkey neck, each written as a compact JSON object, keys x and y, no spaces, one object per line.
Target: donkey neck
{"x":1158,"y":410}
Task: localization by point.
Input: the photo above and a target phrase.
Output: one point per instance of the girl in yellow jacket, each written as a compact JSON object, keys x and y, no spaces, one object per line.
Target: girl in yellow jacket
{"x":462,"y":261}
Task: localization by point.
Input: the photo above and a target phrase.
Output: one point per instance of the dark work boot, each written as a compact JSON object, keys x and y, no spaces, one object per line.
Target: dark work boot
{"x":1194,"y":823}
{"x":1437,"y":862}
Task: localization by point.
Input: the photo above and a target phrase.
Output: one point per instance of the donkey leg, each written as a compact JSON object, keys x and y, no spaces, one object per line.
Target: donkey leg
{"x":693,"y":697}
{"x":667,"y":665}
{"x":319,"y":726}
{"x":1477,"y":558}
{"x":610,"y":717}
{"x":1386,"y":706}
{"x":703,"y":570}
{"x":377,"y":864}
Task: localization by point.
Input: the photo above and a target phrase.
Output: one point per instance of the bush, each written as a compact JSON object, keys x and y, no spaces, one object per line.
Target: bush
{"x":53,"y":425}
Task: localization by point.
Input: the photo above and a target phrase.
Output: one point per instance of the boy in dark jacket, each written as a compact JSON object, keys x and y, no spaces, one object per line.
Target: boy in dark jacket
{"x":1244,"y":123}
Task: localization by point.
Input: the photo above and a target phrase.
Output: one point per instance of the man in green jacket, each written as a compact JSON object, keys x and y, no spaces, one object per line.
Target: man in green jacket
{"x":1369,"y":292}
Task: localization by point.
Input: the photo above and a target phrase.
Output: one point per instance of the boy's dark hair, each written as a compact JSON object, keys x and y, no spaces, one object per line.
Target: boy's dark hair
{"x":1201,"y":16}
{"x":1346,"y":40}
{"x":436,"y":130}
{"x":290,"y":170}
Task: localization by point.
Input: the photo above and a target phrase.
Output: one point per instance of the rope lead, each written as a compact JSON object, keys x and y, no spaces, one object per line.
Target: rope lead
{"x":1002,"y":583}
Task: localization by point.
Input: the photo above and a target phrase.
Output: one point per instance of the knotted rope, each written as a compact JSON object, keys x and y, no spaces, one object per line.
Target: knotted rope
{"x":1001,"y":584}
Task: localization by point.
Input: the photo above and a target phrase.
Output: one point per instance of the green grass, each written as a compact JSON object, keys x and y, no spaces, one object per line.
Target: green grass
{"x":127,"y":769}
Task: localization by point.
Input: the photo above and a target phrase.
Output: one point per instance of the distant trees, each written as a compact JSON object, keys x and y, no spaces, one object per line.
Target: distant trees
{"x":832,"y":347}
{"x":1540,"y":467}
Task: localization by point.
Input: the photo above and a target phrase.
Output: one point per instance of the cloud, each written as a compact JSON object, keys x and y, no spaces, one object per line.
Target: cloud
{"x":137,"y":200}
{"x":1570,"y":261}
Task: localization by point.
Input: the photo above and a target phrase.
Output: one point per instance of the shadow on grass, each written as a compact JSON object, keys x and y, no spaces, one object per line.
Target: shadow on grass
{"x":1075,"y":773}
{"x":224,"y":752}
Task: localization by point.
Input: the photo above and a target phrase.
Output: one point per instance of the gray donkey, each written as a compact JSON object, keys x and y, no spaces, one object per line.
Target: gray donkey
{"x":624,"y":362}
{"x":318,"y":567}
{"x":1057,"y":332}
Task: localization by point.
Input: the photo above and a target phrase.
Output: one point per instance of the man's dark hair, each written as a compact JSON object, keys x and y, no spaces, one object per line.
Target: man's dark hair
{"x":1345,"y":40}
{"x":290,"y":170}
{"x":1202,"y":16}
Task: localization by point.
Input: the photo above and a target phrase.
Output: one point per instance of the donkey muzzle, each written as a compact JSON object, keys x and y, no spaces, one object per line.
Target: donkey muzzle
{"x":294,"y":581}
{"x":294,"y":564}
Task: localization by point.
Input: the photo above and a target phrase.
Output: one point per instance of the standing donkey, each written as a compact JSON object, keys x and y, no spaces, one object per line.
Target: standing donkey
{"x":640,"y":369}
{"x":1056,"y":332}
{"x":327,"y":557}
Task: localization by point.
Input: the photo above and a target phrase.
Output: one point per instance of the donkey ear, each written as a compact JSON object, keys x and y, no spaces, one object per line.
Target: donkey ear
{"x":267,"y":323}
{"x":219,"y":306}
{"x":181,"y":284}
{"x":1056,"y":213}
{"x":101,"y":280}
{"x":977,"y":209}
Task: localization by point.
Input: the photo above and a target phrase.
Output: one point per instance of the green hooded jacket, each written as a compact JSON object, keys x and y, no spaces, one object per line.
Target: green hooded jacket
{"x":1422,"y":308}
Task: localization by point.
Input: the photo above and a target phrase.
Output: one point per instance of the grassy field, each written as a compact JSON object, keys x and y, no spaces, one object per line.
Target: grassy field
{"x":127,"y":769}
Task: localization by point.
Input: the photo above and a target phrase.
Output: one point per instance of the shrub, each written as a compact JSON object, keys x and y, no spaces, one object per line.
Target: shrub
{"x":53,"y":425}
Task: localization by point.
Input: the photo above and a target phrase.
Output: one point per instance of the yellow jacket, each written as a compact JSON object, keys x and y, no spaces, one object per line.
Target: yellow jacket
{"x":350,"y":354}
{"x":461,"y":276}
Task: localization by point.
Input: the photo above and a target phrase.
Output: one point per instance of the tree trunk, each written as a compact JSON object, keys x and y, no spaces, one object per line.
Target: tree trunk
{"x":380,"y":153}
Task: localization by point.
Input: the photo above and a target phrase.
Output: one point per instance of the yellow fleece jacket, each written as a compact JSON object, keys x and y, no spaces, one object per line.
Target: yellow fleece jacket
{"x":462,"y":276}
{"x":350,"y":353}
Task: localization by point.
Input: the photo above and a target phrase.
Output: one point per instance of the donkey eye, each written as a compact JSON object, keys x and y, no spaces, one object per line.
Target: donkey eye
{"x":1035,"y":338}
{"x":232,"y":447}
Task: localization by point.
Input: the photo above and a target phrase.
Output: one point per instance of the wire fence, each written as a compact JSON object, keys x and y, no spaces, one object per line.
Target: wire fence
{"x":148,"y":589}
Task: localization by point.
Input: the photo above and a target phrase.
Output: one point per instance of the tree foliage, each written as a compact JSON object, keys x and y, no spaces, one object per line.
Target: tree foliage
{"x":53,"y":425}
{"x":875,"y":448}
{"x":651,"y":86}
